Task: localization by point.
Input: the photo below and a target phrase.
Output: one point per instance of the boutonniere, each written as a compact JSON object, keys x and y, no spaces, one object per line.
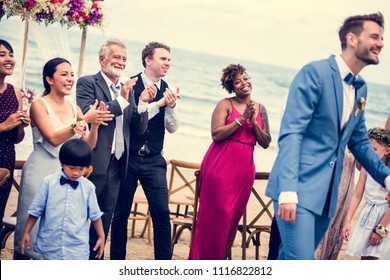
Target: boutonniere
{"x":360,"y":105}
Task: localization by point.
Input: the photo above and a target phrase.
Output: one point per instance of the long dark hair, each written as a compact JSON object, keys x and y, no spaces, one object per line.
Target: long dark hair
{"x":48,"y":71}
{"x":6,"y":45}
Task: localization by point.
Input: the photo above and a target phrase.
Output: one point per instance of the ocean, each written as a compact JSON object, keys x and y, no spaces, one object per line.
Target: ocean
{"x":197,"y":75}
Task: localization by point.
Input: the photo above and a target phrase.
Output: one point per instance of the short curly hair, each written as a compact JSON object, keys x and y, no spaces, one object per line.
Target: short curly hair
{"x":148,"y":51}
{"x":354,"y":24}
{"x":228,"y":75}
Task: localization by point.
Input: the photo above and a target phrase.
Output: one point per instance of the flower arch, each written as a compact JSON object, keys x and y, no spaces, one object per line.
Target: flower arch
{"x":69,"y":13}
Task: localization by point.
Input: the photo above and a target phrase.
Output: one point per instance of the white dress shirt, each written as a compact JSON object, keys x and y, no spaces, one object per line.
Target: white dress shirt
{"x":171,"y":121}
{"x":123,"y":103}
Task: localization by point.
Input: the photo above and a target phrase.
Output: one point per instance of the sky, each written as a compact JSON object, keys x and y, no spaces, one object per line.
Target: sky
{"x":287,"y":33}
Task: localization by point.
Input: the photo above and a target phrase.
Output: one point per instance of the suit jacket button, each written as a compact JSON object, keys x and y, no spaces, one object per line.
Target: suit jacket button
{"x":331,"y":164}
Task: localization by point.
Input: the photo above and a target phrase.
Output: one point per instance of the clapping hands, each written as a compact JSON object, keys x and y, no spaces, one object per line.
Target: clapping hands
{"x":19,"y":118}
{"x":148,"y":93}
{"x":98,"y":115}
{"x":250,"y":111}
{"x":170,"y":97}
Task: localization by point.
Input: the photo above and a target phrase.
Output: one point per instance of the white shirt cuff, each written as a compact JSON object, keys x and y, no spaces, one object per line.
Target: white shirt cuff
{"x":123,"y":103}
{"x":142,"y":106}
{"x":387,"y":183}
{"x":288,"y":197}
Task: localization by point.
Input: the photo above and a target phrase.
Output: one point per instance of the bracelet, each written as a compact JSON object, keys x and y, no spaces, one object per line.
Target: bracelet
{"x":381,"y":231}
{"x":238,"y":122}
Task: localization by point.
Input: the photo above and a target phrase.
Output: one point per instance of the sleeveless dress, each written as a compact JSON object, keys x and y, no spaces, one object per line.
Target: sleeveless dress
{"x":8,"y":105}
{"x":42,"y":161}
{"x":330,"y":245}
{"x":371,"y":214}
{"x":227,"y":176}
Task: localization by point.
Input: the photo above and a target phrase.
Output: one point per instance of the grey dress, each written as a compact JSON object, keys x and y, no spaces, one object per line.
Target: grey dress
{"x":42,"y":161}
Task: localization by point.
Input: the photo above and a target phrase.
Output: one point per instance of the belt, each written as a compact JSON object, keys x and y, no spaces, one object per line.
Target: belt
{"x":142,"y":153}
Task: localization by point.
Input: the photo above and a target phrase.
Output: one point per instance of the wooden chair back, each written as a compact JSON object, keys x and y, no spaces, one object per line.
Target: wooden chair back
{"x":256,"y":222}
{"x":9,"y":222}
{"x":179,"y":224}
{"x":181,"y":187}
{"x":4,"y":175}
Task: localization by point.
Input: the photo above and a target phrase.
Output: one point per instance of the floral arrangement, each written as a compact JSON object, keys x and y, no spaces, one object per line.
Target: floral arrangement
{"x":79,"y":127}
{"x":68,"y":13}
{"x":361,"y":104}
{"x":28,"y":96}
{"x":380,"y":134}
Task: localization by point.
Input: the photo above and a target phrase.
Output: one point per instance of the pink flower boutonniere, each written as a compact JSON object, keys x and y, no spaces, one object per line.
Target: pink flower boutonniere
{"x":360,"y":105}
{"x":79,"y":127}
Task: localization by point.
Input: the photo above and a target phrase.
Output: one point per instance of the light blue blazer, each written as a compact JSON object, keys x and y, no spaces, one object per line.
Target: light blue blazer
{"x":311,"y":142}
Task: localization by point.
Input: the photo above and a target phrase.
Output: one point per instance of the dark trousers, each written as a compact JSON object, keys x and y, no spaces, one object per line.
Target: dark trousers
{"x":274,"y":241}
{"x":151,"y":171}
{"x":107,"y":189}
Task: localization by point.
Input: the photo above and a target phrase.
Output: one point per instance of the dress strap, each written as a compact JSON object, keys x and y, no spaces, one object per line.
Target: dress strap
{"x":74,"y":106}
{"x":47,"y":106}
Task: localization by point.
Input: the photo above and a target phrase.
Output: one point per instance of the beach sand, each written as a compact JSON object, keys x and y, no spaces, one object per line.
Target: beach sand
{"x":178,"y":147}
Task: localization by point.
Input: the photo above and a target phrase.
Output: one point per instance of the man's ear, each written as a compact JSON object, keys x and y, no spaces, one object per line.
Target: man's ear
{"x":352,"y":39}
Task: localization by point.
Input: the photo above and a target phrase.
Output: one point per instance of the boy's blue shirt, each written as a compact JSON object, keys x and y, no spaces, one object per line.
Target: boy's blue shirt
{"x":64,"y":217}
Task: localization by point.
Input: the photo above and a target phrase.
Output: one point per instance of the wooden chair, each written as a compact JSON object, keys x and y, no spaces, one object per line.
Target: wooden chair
{"x":181,"y":188}
{"x":140,"y":212}
{"x":252,"y":227}
{"x":4,"y":175}
{"x":179,"y":224}
{"x":9,"y":223}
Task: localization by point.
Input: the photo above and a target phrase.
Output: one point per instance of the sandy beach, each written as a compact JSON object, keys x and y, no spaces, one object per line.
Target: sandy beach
{"x":182,"y":148}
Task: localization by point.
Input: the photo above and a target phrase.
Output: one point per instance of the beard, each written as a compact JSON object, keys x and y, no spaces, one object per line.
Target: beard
{"x":110,"y":70}
{"x":363,"y":54}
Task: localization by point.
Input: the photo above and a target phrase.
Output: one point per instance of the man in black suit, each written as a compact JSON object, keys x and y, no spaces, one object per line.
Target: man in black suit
{"x":146,"y":162}
{"x":110,"y":156}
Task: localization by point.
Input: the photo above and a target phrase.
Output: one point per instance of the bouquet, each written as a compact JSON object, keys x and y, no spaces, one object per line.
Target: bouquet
{"x":28,"y":96}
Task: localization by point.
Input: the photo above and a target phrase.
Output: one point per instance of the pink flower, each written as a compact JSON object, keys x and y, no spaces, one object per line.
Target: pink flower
{"x":79,"y":127}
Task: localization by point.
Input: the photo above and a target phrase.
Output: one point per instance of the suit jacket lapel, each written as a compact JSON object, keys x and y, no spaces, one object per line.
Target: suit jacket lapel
{"x":338,"y":91}
{"x":103,"y":85}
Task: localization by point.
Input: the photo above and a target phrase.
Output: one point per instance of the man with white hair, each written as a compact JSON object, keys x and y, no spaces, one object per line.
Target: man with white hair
{"x":110,"y":155}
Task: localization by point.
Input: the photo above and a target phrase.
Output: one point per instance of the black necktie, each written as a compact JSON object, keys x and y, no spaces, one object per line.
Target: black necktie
{"x":64,"y":181}
{"x":351,"y":80}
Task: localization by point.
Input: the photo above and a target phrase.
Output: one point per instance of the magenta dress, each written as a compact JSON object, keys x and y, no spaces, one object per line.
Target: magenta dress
{"x":8,"y":105}
{"x":227,"y":175}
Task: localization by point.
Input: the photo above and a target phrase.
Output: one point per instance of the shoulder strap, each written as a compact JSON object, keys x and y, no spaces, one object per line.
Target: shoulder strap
{"x":74,"y":106}
{"x":47,"y":105}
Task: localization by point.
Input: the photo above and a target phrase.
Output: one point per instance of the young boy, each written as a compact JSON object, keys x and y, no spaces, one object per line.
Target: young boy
{"x":65,"y":202}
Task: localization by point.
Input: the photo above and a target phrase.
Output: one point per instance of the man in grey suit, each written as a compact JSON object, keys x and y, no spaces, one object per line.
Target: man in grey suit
{"x":110,"y":155}
{"x":324,"y":113}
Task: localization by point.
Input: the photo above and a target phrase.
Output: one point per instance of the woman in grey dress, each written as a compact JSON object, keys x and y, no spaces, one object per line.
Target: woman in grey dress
{"x":54,"y":120}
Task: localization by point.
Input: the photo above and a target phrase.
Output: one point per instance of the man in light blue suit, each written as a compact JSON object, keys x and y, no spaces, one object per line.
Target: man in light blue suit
{"x":324,"y":113}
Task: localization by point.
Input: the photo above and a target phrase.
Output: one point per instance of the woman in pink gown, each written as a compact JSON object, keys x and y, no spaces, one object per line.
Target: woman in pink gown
{"x":227,"y":171}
